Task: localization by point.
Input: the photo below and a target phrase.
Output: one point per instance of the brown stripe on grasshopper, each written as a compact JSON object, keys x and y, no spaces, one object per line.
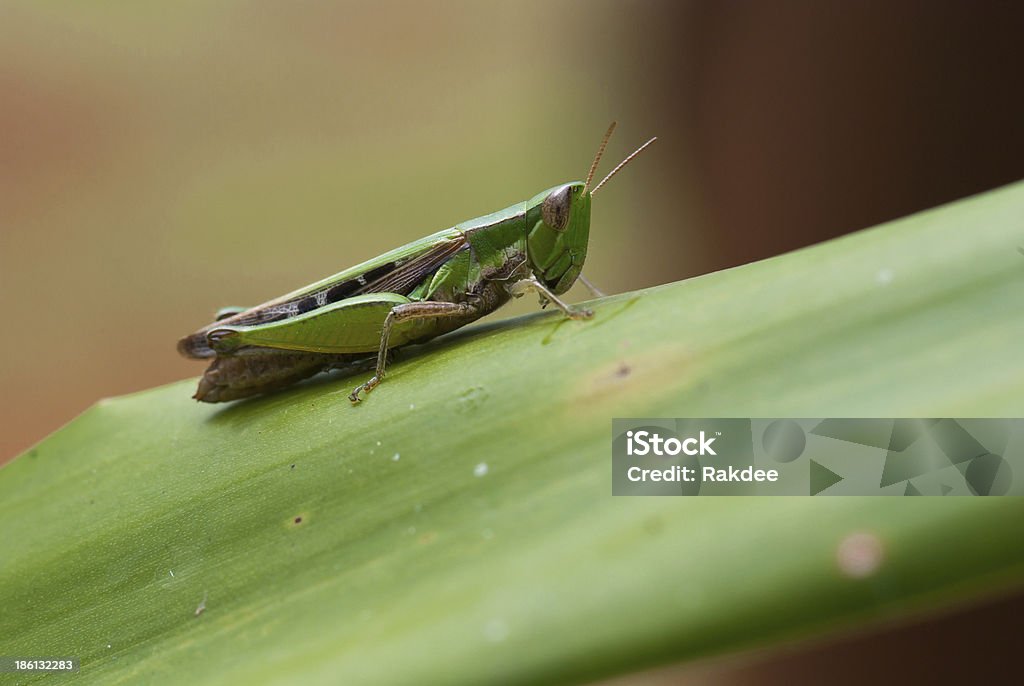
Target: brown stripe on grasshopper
{"x":404,"y":280}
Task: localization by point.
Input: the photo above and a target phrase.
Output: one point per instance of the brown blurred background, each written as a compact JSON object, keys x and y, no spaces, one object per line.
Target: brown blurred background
{"x":157,"y":163}
{"x":160,"y":161}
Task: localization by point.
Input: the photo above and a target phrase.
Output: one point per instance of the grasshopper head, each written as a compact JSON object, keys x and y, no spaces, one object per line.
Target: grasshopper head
{"x":557,"y":243}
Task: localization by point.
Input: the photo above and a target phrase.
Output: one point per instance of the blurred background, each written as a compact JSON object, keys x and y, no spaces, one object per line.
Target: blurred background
{"x":160,"y":161}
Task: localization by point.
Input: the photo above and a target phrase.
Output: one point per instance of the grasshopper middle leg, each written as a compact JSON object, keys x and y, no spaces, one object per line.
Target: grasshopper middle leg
{"x":403,"y":313}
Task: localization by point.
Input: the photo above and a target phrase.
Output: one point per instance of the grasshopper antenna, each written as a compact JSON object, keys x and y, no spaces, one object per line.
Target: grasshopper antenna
{"x":621,"y":164}
{"x":600,"y":151}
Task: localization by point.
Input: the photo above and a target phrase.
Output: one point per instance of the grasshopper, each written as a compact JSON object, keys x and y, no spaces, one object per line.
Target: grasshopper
{"x":408,"y":295}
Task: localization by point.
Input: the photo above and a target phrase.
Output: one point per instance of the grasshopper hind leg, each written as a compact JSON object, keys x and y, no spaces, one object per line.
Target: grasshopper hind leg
{"x":457,"y":313}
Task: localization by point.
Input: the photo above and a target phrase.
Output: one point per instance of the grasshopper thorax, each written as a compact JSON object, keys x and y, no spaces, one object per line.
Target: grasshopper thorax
{"x":559,"y":230}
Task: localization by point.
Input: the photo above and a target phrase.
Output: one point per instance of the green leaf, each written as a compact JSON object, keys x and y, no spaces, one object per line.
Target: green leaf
{"x":458,"y":527}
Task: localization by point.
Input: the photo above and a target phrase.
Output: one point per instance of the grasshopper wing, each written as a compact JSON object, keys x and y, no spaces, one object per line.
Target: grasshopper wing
{"x":396,"y":272}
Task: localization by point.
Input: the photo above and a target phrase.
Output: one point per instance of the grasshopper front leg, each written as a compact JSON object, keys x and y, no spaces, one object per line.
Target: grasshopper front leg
{"x":403,"y":313}
{"x":532,"y":284}
{"x":594,"y":290}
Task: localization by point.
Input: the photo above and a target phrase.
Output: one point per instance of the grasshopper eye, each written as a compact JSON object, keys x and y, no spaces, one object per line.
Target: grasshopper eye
{"x":555,"y":208}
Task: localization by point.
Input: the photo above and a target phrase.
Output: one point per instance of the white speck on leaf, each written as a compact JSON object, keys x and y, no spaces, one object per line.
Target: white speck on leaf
{"x":884,"y":276}
{"x":496,"y":631}
{"x":480,"y":470}
{"x":172,"y":573}
{"x":202,"y":605}
{"x":396,"y":457}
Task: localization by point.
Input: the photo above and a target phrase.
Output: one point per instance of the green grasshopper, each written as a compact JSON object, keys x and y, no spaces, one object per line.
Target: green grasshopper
{"x":408,"y":295}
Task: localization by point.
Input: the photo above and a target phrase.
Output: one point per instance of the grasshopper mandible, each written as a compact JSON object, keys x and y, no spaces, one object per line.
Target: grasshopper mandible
{"x":408,"y":295}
